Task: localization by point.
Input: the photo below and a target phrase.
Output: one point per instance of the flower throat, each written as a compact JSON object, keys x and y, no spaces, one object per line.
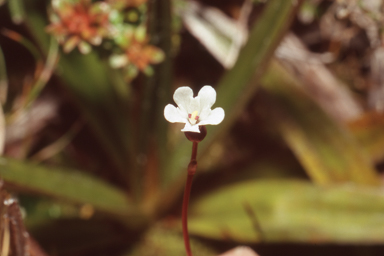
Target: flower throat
{"x":193,"y":118}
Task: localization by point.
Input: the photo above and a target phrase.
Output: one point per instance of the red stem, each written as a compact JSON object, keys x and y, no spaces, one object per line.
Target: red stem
{"x":194,"y":152}
{"x":187,"y":191}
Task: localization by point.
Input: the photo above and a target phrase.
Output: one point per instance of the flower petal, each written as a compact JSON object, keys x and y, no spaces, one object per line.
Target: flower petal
{"x":215,"y":117}
{"x":84,"y":47}
{"x":191,"y":128}
{"x":118,"y":61}
{"x":71,"y":43}
{"x":194,"y":105}
{"x":207,"y":97}
{"x":174,"y":115}
{"x":204,"y":114}
{"x":182,"y":96}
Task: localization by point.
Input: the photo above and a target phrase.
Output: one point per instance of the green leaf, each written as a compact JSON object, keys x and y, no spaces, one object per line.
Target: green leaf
{"x":327,"y":151}
{"x":107,"y":111}
{"x":16,"y":8}
{"x":290,"y":211}
{"x":157,"y":92}
{"x":45,"y":74}
{"x":239,"y":84}
{"x":36,"y":22}
{"x":69,"y":185}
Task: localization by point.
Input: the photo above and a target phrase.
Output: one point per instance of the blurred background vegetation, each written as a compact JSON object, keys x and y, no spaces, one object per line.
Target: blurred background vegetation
{"x":295,"y":168}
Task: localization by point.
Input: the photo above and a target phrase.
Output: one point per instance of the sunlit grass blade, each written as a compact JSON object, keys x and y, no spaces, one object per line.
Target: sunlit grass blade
{"x":327,"y":151}
{"x":69,"y":185}
{"x":220,"y":35}
{"x":290,"y":211}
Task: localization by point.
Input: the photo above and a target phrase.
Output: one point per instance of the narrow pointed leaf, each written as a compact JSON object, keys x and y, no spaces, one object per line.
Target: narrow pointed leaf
{"x":45,"y":74}
{"x":328,"y":152}
{"x":16,"y":8}
{"x":69,"y":185}
{"x":152,"y":130}
{"x":290,"y":211}
{"x":87,"y":80}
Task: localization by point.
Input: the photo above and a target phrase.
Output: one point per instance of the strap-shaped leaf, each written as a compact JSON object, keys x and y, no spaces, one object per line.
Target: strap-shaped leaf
{"x":290,"y":211}
{"x":70,"y":185}
{"x":88,"y":81}
{"x":328,"y":152}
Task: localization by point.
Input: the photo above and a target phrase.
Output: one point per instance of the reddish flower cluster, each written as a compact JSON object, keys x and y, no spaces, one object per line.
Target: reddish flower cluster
{"x":80,"y":24}
{"x":141,"y":54}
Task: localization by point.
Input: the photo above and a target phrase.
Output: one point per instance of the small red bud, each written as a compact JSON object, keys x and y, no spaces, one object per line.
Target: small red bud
{"x":195,"y":136}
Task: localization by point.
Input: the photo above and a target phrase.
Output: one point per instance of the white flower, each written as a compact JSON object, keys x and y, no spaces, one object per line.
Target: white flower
{"x":194,"y":111}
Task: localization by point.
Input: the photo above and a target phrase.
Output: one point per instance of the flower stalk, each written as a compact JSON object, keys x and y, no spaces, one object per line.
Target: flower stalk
{"x":195,"y":138}
{"x":187,"y":191}
{"x":195,"y":113}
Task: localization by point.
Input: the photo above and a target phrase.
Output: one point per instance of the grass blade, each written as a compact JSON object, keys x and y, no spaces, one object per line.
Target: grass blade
{"x":86,"y":78}
{"x":290,"y":211}
{"x":46,"y":73}
{"x":327,"y":151}
{"x":16,"y":8}
{"x":68,"y":185}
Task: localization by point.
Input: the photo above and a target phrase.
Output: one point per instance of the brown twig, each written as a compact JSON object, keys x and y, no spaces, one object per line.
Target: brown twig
{"x":14,"y":237}
{"x":19,"y":235}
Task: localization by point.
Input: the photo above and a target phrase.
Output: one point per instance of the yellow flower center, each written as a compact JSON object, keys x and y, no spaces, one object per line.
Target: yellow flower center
{"x":193,"y":118}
